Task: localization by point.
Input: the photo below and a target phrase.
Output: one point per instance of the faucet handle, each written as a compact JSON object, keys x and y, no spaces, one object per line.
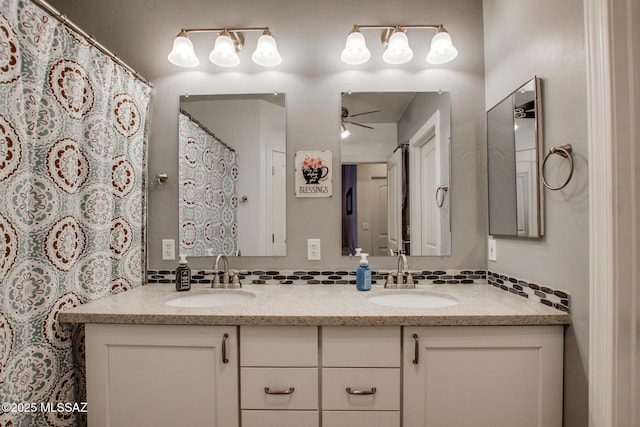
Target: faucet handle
{"x":235,"y":280}
{"x":410,"y":283}
{"x":389,"y":282}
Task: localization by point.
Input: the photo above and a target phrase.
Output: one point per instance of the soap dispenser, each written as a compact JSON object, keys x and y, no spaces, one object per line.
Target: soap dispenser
{"x":363,"y":275}
{"x":183,"y":274}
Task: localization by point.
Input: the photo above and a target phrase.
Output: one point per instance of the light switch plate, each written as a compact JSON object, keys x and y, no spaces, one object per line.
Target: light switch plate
{"x":492,"y":249}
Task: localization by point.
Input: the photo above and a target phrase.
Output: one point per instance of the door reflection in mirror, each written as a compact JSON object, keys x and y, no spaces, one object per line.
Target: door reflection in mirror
{"x":394,"y":161}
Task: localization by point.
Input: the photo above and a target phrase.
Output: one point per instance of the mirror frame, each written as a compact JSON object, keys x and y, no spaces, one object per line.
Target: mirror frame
{"x":511,"y":212}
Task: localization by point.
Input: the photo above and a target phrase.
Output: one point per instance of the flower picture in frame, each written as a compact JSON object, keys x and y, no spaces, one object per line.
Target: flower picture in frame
{"x":313,"y":174}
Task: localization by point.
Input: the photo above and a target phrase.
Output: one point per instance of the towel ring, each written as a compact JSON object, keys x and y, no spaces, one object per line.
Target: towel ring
{"x":563,"y":151}
{"x":444,"y":189}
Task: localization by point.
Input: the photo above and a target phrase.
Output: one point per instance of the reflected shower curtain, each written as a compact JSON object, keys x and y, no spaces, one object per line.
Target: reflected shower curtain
{"x":72,"y":170}
{"x":208,"y":213}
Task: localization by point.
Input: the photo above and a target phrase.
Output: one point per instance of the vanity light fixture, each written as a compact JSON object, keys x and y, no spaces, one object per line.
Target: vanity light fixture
{"x":228,"y":44}
{"x":396,"y":43}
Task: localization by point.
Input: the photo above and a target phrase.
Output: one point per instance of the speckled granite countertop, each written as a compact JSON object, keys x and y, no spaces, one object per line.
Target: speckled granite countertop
{"x":322,"y":305}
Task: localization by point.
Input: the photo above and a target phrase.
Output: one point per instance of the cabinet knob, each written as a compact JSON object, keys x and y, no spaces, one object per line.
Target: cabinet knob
{"x":416,"y":349}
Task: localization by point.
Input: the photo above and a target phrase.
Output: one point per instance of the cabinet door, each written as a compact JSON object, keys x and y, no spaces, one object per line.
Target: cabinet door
{"x":161,"y":375}
{"x":483,"y":376}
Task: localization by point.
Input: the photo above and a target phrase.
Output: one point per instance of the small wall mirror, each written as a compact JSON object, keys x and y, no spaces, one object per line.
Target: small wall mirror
{"x":232,"y":175}
{"x":514,"y":149}
{"x":395,"y":155}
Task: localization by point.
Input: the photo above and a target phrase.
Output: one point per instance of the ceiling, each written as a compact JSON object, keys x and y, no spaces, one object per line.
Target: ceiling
{"x":391,"y":104}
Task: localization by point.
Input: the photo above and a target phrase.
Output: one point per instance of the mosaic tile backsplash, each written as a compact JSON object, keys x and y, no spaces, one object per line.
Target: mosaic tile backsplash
{"x":545,"y":295}
{"x":551,"y":297}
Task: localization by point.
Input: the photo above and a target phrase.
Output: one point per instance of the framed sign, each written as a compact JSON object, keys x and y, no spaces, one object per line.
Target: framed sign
{"x":313,"y":174}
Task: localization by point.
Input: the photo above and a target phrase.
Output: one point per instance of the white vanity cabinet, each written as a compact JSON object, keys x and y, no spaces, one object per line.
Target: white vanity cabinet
{"x":279,"y":376}
{"x":483,"y":376}
{"x":161,"y":375}
{"x":324,"y":376}
{"x":361,"y":376}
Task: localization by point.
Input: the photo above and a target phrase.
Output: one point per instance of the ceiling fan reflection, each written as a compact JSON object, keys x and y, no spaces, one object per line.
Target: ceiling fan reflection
{"x":345,"y":119}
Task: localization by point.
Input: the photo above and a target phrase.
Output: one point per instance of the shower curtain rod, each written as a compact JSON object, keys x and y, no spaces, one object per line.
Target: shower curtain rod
{"x":63,"y":19}
{"x":204,"y":128}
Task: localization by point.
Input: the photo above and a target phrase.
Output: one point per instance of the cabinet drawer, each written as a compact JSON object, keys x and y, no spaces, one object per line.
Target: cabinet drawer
{"x":360,"y":419}
{"x":301,"y":385}
{"x":361,"y":346}
{"x":279,"y":346}
{"x":386,"y":382}
{"x":280,"y":419}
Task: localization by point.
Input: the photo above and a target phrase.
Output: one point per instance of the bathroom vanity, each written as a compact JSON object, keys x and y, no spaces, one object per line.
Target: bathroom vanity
{"x":307,"y":355}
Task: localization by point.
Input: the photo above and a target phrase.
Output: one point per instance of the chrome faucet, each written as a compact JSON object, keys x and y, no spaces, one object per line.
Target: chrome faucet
{"x":403,"y":278}
{"x":226,"y":275}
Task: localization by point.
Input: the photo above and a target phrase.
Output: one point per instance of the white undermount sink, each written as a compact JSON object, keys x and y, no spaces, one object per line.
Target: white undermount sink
{"x":211,"y":299}
{"x":411,"y":299}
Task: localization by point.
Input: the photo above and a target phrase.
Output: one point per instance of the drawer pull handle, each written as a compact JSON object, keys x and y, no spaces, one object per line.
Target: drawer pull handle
{"x":416,"y":349}
{"x":289,"y":391}
{"x":224,"y":348}
{"x":361,"y":392}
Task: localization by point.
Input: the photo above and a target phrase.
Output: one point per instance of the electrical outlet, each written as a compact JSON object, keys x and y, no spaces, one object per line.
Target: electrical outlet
{"x":313,"y":249}
{"x":492,"y":249}
{"x":168,"y":249}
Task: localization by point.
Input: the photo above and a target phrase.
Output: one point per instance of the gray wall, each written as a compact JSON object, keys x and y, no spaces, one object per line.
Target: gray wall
{"x":310,"y":37}
{"x":522,"y":38}
{"x":546,"y":38}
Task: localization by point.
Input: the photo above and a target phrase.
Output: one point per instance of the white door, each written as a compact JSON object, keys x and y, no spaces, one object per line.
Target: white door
{"x":428,"y":172}
{"x":394,"y":206}
{"x":429,"y":212}
{"x":379,"y":216}
{"x":278,"y":214}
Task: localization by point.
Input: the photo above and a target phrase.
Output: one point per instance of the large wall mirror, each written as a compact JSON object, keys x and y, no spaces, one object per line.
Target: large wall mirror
{"x":232,"y":171}
{"x":395,"y":153}
{"x":514,"y":148}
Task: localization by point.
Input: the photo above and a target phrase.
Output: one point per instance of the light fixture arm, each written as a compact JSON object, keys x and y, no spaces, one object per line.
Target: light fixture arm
{"x":392,"y":27}
{"x":219,"y":30}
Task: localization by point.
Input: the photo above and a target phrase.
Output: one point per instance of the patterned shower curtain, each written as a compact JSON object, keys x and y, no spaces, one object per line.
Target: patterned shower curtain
{"x":72,"y":177}
{"x":208,"y":225}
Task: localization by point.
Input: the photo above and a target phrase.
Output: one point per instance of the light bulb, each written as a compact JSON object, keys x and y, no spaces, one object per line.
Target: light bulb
{"x":344,"y":132}
{"x":355,"y":51}
{"x":182,"y":53}
{"x":442,"y":50}
{"x":224,"y":52}
{"x":398,"y":50}
{"x":266,"y":53}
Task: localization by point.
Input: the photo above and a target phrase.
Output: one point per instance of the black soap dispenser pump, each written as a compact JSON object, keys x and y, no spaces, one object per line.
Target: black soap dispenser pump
{"x":183,"y":274}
